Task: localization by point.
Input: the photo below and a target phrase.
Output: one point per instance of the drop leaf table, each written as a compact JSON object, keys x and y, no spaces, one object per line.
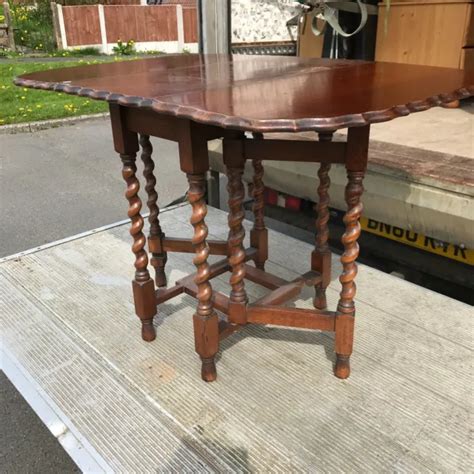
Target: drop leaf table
{"x":192,"y":99}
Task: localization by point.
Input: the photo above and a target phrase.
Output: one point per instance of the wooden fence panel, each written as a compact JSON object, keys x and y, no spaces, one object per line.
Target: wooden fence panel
{"x":82,"y":25}
{"x":141,"y":23}
{"x":190,"y":25}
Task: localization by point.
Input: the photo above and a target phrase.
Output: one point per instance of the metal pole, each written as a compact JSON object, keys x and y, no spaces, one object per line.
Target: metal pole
{"x":214,"y":18}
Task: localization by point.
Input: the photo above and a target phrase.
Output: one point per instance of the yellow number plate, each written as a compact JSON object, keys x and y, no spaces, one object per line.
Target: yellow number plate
{"x":418,"y":240}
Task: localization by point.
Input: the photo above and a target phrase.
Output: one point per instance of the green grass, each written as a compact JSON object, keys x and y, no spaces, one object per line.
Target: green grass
{"x":19,"y":104}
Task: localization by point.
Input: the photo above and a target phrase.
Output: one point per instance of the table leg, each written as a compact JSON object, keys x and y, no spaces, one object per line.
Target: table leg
{"x":238,"y":296}
{"x":321,"y":256}
{"x":259,"y":234}
{"x":346,"y":308}
{"x":143,"y":286}
{"x":206,"y":330}
{"x":158,"y":260}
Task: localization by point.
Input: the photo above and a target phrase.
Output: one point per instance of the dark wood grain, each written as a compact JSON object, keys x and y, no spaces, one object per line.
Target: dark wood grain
{"x":321,"y":256}
{"x":263,"y":93}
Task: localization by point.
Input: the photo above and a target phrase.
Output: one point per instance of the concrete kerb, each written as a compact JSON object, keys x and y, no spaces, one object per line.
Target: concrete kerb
{"x":45,"y":124}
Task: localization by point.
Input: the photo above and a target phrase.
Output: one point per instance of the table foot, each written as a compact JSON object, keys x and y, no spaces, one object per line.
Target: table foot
{"x":319,"y":301}
{"x":342,"y":368}
{"x":159,"y":262}
{"x":148,"y":330}
{"x":208,"y":370}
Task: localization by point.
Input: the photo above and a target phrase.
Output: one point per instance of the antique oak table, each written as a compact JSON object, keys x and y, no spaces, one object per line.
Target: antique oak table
{"x":192,"y":99}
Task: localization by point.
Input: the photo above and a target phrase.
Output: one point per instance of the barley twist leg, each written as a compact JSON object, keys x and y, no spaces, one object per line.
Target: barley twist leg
{"x":346,"y":307}
{"x":259,"y":234}
{"x":158,"y":260}
{"x":143,"y":286}
{"x":321,"y":256}
{"x":206,"y":331}
{"x":238,"y":296}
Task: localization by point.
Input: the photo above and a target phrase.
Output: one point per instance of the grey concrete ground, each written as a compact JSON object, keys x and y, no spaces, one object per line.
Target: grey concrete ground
{"x":56,"y":183}
{"x":62,"y":181}
{"x":25,"y":443}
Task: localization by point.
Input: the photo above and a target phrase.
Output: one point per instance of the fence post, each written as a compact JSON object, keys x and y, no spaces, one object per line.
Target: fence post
{"x":180,"y":24}
{"x":9,"y":23}
{"x":62,"y":27}
{"x":103,"y":30}
{"x":214,"y":20}
{"x":56,"y":29}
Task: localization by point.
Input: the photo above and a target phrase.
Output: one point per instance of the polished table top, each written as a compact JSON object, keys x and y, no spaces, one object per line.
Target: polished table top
{"x":263,"y":93}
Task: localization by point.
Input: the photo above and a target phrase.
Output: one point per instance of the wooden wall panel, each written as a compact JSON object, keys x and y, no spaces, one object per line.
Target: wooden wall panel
{"x":426,"y":33}
{"x":141,"y":23}
{"x":82,"y":25}
{"x":190,"y":25}
{"x":469,"y":27}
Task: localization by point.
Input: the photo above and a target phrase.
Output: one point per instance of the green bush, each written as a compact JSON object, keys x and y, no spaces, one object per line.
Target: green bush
{"x":33,"y":26}
{"x":124,"y":49}
{"x":77,"y":52}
